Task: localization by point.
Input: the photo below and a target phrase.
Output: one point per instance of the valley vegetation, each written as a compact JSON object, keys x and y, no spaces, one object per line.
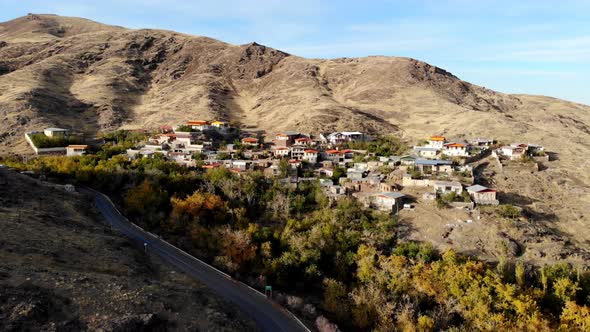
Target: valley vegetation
{"x":339,"y":256}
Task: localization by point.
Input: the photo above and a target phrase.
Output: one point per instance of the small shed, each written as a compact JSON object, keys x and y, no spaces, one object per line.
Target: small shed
{"x":482,"y":195}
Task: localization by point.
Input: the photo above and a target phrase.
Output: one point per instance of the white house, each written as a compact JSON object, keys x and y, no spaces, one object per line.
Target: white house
{"x":426,"y":152}
{"x":310,"y":155}
{"x":327,"y":171}
{"x":513,"y":152}
{"x":445,"y":187}
{"x":250,"y":141}
{"x":482,"y":142}
{"x":199,"y":125}
{"x":76,"y":150}
{"x":306,"y":141}
{"x":345,"y":136}
{"x":52,"y":132}
{"x":482,"y":195}
{"x":297,"y":151}
{"x":387,"y":201}
{"x":436,"y":142}
{"x":240,"y":164}
{"x":281,"y":152}
{"x":455,"y":150}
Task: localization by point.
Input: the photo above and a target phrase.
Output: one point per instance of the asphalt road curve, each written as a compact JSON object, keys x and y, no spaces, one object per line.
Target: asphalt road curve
{"x":268,"y":315}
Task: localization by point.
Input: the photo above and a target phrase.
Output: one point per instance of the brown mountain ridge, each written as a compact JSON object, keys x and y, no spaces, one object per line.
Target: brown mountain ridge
{"x":75,"y":73}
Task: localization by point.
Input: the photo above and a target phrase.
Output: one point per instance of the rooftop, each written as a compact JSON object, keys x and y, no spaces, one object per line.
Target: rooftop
{"x":392,"y":194}
{"x":424,"y":148}
{"x":433,"y":162}
{"x":197,"y":122}
{"x":55,"y":129}
{"x":447,"y":183}
{"x":455,"y":145}
{"x":478,"y":188}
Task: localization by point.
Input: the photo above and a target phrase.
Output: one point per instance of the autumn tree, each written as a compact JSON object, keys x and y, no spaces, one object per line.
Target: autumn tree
{"x":146,"y":201}
{"x":198,"y":208}
{"x":237,"y":247}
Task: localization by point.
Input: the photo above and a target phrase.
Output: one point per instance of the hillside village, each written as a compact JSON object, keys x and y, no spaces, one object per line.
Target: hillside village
{"x":371,"y":193}
{"x":440,"y":167}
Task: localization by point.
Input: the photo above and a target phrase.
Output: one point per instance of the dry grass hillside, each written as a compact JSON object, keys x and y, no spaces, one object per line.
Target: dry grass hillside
{"x":70,"y":72}
{"x":62,"y":270}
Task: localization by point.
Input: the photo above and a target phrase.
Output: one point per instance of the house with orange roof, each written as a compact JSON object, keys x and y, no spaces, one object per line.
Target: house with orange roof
{"x":436,"y":142}
{"x":199,"y":125}
{"x":455,"y":149}
{"x":76,"y":149}
{"x":251,"y":141}
{"x":211,"y":166}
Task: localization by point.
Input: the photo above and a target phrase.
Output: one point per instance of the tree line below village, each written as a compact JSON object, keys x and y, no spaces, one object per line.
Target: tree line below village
{"x":343,"y":257}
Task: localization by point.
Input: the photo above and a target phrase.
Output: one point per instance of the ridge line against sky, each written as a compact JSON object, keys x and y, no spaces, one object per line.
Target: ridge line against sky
{"x":533,"y":47}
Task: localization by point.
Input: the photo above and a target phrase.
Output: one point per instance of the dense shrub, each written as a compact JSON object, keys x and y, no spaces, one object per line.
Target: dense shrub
{"x":41,"y":141}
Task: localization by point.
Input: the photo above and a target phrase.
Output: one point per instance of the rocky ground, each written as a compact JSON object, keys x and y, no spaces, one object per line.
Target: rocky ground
{"x":547,"y":233}
{"x":62,"y":270}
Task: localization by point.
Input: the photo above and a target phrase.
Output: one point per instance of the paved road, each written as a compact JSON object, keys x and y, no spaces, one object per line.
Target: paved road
{"x":268,"y":315}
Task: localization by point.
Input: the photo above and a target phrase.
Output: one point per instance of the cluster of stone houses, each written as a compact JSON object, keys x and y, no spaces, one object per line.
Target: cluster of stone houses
{"x":441,"y":166}
{"x":516,"y":151}
{"x":438,"y":146}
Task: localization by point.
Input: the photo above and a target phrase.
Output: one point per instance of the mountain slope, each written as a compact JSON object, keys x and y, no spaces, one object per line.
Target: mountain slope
{"x":70,"y":72}
{"x":74,"y":72}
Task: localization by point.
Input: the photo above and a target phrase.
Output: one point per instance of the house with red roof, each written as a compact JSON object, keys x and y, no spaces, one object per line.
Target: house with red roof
{"x":337,"y":156}
{"x":482,"y":195}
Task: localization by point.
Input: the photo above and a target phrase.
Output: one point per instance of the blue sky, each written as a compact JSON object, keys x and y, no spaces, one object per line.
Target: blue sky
{"x":535,"y":47}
